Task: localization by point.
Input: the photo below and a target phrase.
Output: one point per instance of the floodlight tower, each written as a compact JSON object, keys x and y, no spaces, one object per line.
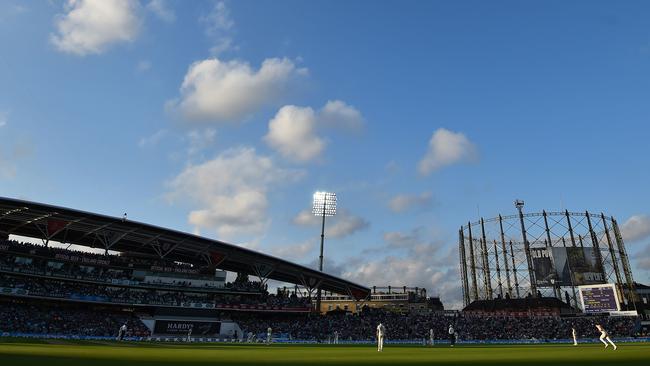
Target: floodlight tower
{"x":324,"y":205}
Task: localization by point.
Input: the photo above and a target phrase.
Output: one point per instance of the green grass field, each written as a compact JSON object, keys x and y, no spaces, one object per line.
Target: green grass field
{"x":70,"y":353}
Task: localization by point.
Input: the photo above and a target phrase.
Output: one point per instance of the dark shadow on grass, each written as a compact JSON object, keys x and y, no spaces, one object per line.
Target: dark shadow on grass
{"x":15,"y":360}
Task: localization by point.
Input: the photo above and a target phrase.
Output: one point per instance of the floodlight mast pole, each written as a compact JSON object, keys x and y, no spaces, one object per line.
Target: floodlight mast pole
{"x":320,"y":259}
{"x":322,"y":235}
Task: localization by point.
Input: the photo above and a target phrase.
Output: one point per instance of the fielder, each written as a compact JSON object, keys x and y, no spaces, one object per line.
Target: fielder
{"x":431,"y":336}
{"x":336,"y":337}
{"x":269,"y":335}
{"x":452,"y":336}
{"x":604,"y":336}
{"x":121,"y":333}
{"x":381,"y":332}
{"x":574,"y":333}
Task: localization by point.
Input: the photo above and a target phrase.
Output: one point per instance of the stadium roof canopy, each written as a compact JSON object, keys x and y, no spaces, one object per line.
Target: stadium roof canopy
{"x":70,"y":226}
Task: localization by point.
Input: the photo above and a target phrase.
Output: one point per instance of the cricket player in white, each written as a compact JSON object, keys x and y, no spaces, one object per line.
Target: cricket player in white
{"x":189,"y":335}
{"x":452,"y":336}
{"x":604,"y":336}
{"x":269,"y":334}
{"x":574,"y":333}
{"x":431,"y":336}
{"x":381,"y":332}
{"x":336,"y":337}
{"x":122,"y":332}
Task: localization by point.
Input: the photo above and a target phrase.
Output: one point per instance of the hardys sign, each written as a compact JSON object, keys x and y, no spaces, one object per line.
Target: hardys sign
{"x":183,"y":327}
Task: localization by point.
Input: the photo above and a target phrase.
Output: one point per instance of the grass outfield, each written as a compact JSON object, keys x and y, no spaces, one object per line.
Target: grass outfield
{"x":70,"y":353}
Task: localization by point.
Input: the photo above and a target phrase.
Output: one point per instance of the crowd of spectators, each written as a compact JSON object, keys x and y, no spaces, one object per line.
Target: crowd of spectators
{"x":83,"y":320}
{"x":57,"y":262}
{"x":47,"y":287}
{"x":54,"y":320}
{"x":114,"y":260}
{"x":362,"y":326}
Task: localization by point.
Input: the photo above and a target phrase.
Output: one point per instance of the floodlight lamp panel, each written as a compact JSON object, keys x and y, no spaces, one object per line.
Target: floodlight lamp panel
{"x":324,"y":204}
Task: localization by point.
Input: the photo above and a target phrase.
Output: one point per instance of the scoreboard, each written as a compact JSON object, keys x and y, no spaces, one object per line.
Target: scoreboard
{"x":599,"y":298}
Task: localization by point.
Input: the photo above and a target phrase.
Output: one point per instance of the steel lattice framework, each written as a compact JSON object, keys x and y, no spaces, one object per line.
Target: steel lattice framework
{"x":495,"y":254}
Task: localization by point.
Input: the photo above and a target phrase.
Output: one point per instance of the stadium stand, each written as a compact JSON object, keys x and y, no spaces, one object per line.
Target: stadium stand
{"x":540,"y":306}
{"x":35,"y":271}
{"x":66,"y":319}
{"x":163,"y":278}
{"x":361,"y":326}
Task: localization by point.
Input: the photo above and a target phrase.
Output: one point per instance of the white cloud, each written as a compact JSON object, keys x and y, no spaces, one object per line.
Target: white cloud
{"x":338,"y":114}
{"x":162,"y":10}
{"x":295,"y":252}
{"x":218,"y":20}
{"x":200,"y":140}
{"x":332,"y":267}
{"x":404,"y":202}
{"x":229,"y":191}
{"x":407,"y":259}
{"x":222,"y":45}
{"x":414,"y":244}
{"x":152,"y":140}
{"x":342,"y":225}
{"x":441,"y":280}
{"x":346,"y":224}
{"x":230,"y":91}
{"x":218,"y":26}
{"x":636,"y":228}
{"x":643,"y":258}
{"x":446,"y":148}
{"x":399,"y":240}
{"x":91,"y":26}
{"x":292,"y":132}
{"x":306,"y":218}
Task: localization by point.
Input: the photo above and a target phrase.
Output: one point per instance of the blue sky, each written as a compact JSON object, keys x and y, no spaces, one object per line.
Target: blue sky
{"x":223,"y":118}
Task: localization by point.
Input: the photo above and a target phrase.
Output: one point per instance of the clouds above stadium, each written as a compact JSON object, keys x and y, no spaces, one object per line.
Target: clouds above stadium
{"x":636,"y":228}
{"x":418,"y":257}
{"x":12,"y":154}
{"x":643,"y":258}
{"x":294,"y":131}
{"x":162,"y":10}
{"x":406,"y":202}
{"x":229,"y":193}
{"x":340,"y":226}
{"x":92,"y":26}
{"x":408,"y":259}
{"x":295,"y":252}
{"x":216,"y":91}
{"x":446,"y":148}
{"x":218,"y":26}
